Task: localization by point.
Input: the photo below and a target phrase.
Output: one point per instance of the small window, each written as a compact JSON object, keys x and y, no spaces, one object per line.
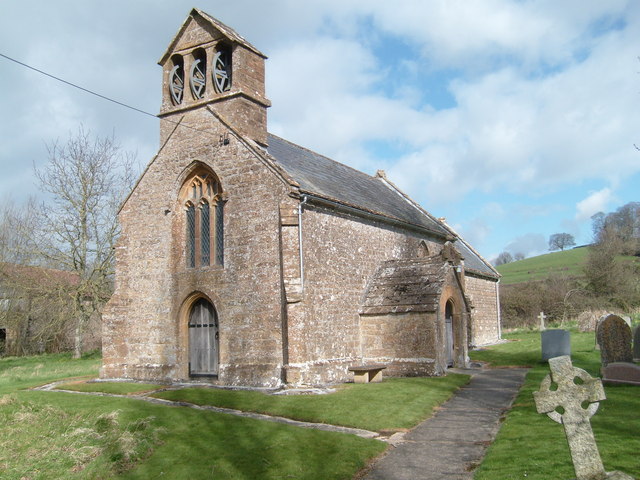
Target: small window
{"x":176,"y":80}
{"x":423,"y":249}
{"x":203,"y":223}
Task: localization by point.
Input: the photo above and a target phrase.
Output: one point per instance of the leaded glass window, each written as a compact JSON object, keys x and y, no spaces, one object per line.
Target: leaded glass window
{"x":203,"y":234}
{"x":220,"y":233}
{"x":191,"y":236}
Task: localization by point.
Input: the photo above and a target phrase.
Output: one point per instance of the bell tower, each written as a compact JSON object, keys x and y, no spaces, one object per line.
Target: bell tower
{"x":208,"y":65}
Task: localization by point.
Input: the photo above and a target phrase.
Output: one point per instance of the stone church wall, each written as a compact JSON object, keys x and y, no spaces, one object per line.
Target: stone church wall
{"x":404,"y":339}
{"x":341,"y":253}
{"x":485,"y":328}
{"x":145,"y":327}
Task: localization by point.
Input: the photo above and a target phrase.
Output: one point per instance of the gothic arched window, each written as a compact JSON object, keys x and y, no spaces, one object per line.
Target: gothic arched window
{"x":204,"y":221}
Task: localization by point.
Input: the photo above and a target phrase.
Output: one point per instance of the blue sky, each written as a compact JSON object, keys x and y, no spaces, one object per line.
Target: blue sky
{"x":514,"y":120}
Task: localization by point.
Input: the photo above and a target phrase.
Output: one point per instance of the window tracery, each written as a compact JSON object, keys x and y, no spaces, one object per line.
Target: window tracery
{"x":176,"y":80}
{"x":198,"y":76}
{"x":204,"y":220}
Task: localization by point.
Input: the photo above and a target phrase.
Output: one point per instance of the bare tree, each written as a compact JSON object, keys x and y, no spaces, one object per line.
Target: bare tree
{"x":623,"y":225}
{"x":87,"y":179}
{"x":33,"y":299}
{"x":519,"y":256}
{"x":560,"y":241}
{"x":17,"y":225}
{"x":504,"y":257}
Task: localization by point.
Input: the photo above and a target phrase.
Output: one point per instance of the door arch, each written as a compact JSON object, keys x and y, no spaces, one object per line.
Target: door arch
{"x":203,"y":339}
{"x":449,"y":333}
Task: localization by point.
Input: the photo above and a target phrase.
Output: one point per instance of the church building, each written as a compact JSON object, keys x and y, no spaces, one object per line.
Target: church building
{"x":245,"y":259}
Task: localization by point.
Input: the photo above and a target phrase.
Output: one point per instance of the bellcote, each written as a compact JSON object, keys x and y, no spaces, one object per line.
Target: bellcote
{"x":209,"y":64}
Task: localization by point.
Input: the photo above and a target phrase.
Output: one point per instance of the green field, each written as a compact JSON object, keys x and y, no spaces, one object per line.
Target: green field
{"x":568,"y":263}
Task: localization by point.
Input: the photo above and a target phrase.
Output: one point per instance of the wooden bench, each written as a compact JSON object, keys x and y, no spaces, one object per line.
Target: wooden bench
{"x":367,"y":373}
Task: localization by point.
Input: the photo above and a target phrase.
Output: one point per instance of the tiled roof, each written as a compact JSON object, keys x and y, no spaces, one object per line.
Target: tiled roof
{"x":320,"y":176}
{"x":27,"y":276}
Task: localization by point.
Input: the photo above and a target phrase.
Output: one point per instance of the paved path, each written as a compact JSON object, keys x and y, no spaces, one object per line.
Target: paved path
{"x":449,"y":445}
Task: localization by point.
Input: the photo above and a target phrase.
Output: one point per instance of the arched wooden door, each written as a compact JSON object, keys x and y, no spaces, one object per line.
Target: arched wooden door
{"x":448,"y":324}
{"x":203,"y":339}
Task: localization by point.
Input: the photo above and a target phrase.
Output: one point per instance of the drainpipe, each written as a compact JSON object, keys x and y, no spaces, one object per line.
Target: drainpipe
{"x":304,"y":200}
{"x":498,"y":307}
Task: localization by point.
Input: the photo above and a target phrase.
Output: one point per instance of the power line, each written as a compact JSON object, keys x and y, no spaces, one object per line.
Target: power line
{"x":95,"y":93}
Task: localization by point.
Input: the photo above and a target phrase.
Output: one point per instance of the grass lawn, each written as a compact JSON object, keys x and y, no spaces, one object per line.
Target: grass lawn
{"x":394,"y":404}
{"x":118,"y":388}
{"x":532,"y":446}
{"x":51,"y":435}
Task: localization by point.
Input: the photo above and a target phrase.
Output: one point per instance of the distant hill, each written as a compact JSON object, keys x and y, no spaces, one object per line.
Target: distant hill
{"x":568,"y":262}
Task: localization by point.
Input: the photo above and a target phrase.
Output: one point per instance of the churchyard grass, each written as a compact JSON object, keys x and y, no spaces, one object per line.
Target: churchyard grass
{"x":394,"y":404}
{"x":117,"y":388}
{"x":532,"y":446}
{"x":51,"y":435}
{"x":24,"y":372}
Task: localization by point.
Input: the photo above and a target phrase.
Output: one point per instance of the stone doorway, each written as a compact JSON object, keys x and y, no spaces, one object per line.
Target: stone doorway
{"x":449,"y":334}
{"x":203,"y":340}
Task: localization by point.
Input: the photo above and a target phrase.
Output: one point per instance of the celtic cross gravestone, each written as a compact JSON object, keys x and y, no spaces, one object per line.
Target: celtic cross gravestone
{"x":570,"y":396}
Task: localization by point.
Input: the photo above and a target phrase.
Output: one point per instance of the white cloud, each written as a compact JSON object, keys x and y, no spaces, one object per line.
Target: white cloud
{"x":594,"y":203}
{"x":479,"y":32}
{"x":530,"y":244}
{"x":542,"y":94}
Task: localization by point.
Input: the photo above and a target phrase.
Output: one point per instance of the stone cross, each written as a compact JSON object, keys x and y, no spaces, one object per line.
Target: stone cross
{"x":542,"y":318}
{"x":570,"y":396}
{"x":572,"y":403}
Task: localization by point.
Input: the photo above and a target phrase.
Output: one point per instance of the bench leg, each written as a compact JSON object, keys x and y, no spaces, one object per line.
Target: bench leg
{"x":375,"y":376}
{"x":360,"y":377}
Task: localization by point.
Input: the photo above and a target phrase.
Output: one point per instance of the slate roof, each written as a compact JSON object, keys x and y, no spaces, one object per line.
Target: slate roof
{"x":323,"y":177}
{"x":402,"y":286}
{"x":320,"y":176}
{"x":473,"y":262}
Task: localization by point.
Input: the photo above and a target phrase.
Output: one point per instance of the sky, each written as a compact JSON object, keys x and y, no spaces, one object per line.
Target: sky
{"x":513,"y":119}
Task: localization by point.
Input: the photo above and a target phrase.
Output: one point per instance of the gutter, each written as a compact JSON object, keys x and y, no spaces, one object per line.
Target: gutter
{"x":375,"y":216}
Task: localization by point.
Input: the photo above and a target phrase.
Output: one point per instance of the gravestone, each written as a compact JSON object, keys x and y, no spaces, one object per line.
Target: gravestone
{"x":614,"y":337}
{"x":555,"y":343}
{"x":542,"y":317}
{"x":636,"y":344}
{"x":621,"y":373}
{"x":602,"y":318}
{"x":574,"y":388}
